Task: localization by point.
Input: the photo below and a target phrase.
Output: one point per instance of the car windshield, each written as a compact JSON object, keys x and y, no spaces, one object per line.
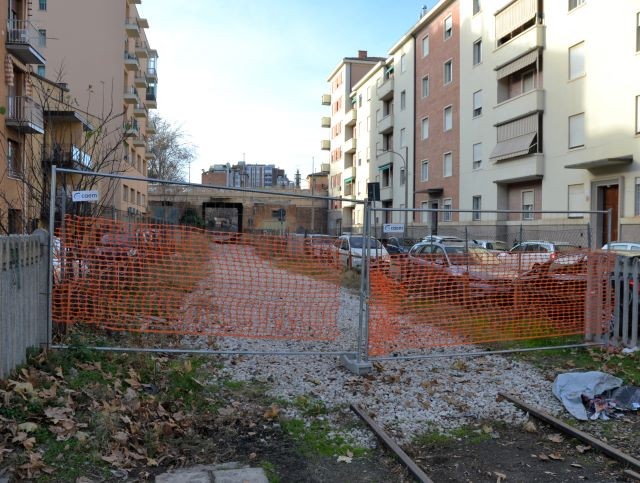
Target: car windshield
{"x":322,"y":240}
{"x":358,"y":242}
{"x":498,"y":245}
{"x":566,"y":248}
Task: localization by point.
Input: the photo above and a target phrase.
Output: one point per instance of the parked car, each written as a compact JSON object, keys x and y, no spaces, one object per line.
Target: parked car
{"x":497,"y":245}
{"x":398,"y":246}
{"x":623,"y":248}
{"x":319,"y":246}
{"x":525,"y":255}
{"x":456,"y":270}
{"x":442,"y":238}
{"x":351,"y":249}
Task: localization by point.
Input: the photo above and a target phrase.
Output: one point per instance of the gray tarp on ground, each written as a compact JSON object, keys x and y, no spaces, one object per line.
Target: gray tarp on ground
{"x":570,"y":387}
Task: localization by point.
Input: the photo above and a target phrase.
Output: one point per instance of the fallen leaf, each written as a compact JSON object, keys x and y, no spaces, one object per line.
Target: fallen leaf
{"x":576,"y":465}
{"x":500,"y":476}
{"x":252,"y":456}
{"x":543,"y":457}
{"x":152,"y":462}
{"x":556,"y":438}
{"x":82,"y":436}
{"x":22,"y":389}
{"x":459,"y":365}
{"x":272,"y":412}
{"x":530,"y":427}
{"x":28,"y":427}
{"x":487,"y":429}
{"x":556,"y":457}
{"x":121,"y":437}
{"x":582,"y":449}
{"x":345,"y":459}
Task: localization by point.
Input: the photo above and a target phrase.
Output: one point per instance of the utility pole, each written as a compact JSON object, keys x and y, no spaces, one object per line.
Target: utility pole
{"x":313,"y":183}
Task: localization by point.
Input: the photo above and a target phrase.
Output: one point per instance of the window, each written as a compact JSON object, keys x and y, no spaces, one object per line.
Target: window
{"x":476,"y":204}
{"x":637,"y":114}
{"x":448,"y":118}
{"x":448,"y":71}
{"x":517,"y":17}
{"x":447,"y":165}
{"x":403,"y":63}
{"x":132,"y":197}
{"x":518,"y":138}
{"x":425,"y":128}
{"x":424,"y":172}
{"x":476,"y":6}
{"x":138,"y":198}
{"x":13,"y":159}
{"x":42,"y":37}
{"x":527,"y":205}
{"x":477,"y":156}
{"x":41,"y":70}
{"x":575,"y":3}
{"x":448,"y":27}
{"x":637,"y":200}
{"x":425,"y":86}
{"x":425,"y":46}
{"x":425,"y":215}
{"x":403,"y":100}
{"x":402,"y":179}
{"x":125,"y":192}
{"x":576,"y":131}
{"x":403,"y":137}
{"x":446,"y":205}
{"x":477,"y":52}
{"x":42,"y":5}
{"x":477,"y":103}
{"x":576,"y":61}
{"x":575,"y":194}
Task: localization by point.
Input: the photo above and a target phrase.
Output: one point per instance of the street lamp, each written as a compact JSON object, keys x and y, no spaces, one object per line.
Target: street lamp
{"x":406,"y":181}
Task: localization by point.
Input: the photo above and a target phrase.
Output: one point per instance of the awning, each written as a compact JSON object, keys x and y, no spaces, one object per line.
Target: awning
{"x":603,"y":163}
{"x":517,"y":64}
{"x":384,"y":166}
{"x":69,"y":116}
{"x":348,"y":180}
{"x":510,"y":148}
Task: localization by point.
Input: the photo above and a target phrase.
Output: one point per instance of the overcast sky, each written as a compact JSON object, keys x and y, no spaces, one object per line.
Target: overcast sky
{"x":244,"y":78}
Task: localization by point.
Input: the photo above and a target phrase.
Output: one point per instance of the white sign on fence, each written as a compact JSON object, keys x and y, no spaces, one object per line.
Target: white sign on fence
{"x":393,"y":227}
{"x":87,"y":195}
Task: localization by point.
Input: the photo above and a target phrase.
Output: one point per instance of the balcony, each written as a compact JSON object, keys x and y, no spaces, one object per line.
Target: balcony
{"x":131,"y":61}
{"x":142,"y":49}
{"x":386,"y":193}
{"x":131,"y":27}
{"x":351,"y":117}
{"x":24,"y":115}
{"x":385,"y":125}
{"x":140,"y":80}
{"x":131,"y":96}
{"x":349,"y":147}
{"x":66,"y":156}
{"x":526,"y":41}
{"x":143,"y":23}
{"x":517,"y":106}
{"x":325,"y":145}
{"x":385,"y":90}
{"x":352,"y":200}
{"x":150,"y":98}
{"x":140,"y":110}
{"x":149,"y":155}
{"x":520,"y":169}
{"x":22,"y":39}
{"x":325,"y":122}
{"x":326,"y":99}
{"x":349,"y":173}
{"x":140,"y":141}
{"x":152,"y":75}
{"x":151,"y":128}
{"x":130,"y":128}
{"x":133,"y":2}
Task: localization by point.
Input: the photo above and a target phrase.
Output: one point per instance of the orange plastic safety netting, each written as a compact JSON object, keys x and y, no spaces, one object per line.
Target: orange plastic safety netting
{"x":449,"y":296}
{"x":177,"y":279}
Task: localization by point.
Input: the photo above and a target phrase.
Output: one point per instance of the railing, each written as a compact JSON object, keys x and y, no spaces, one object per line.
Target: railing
{"x":131,"y":90}
{"x":152,"y":71}
{"x":141,"y":44}
{"x":64,"y":155}
{"x":130,"y":56}
{"x":21,"y":32}
{"x":151,"y":95}
{"x":131,"y":127}
{"x":22,"y":109}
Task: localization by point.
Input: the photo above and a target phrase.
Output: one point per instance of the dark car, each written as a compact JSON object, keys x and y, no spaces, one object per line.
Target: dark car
{"x":397,"y":246}
{"x":458,"y":271}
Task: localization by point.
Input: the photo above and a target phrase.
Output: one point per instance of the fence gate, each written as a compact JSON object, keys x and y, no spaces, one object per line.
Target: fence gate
{"x":456,"y":293}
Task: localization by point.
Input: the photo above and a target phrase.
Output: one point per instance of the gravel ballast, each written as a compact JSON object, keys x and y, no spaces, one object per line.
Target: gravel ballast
{"x":407,"y":397}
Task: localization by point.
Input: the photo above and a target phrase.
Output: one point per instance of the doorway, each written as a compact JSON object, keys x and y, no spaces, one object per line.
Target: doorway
{"x":434,"y":218}
{"x":608,"y":200}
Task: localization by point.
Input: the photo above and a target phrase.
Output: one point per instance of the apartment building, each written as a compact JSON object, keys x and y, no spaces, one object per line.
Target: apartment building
{"x":343,"y":141}
{"x":245,"y":175}
{"x":111,"y":70}
{"x":549,"y":113}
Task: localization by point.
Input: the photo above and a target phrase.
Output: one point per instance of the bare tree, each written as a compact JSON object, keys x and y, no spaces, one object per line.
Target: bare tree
{"x":173,"y":152}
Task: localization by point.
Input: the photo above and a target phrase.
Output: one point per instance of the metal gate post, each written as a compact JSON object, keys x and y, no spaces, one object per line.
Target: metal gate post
{"x":359,"y":365}
{"x":52,"y":219}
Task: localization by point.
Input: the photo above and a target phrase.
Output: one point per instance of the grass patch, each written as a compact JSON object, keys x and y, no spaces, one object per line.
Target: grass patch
{"x":270,"y":471}
{"x":317,"y":437}
{"x":310,"y":405}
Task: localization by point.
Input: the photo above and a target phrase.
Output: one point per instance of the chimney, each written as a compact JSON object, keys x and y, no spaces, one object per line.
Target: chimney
{"x":362,"y":54}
